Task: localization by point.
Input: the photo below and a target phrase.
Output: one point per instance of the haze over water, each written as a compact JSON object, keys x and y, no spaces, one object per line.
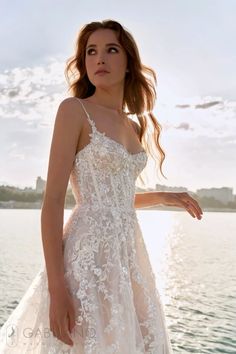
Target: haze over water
{"x":194,"y":263}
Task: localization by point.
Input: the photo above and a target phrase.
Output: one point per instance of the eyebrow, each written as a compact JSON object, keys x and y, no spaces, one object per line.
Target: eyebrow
{"x":108,"y":44}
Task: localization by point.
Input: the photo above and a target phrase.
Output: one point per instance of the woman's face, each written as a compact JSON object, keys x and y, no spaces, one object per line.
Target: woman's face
{"x":103,"y":52}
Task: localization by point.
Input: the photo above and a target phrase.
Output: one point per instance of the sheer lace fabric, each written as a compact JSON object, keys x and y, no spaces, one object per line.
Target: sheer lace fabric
{"x":107,"y":268}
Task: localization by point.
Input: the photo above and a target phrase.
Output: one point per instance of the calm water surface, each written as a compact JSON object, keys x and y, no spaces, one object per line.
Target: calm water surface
{"x":194,"y":263}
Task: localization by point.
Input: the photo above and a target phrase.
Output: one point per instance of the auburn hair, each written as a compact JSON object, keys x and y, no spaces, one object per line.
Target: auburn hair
{"x":139,"y":88}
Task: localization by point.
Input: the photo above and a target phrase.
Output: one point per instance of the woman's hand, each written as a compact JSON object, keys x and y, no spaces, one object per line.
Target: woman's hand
{"x":183,"y":200}
{"x":62,"y":315}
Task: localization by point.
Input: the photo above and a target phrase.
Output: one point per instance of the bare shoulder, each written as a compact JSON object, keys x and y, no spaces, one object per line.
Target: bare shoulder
{"x":69,"y":123}
{"x":72,"y":107}
{"x":66,"y":134}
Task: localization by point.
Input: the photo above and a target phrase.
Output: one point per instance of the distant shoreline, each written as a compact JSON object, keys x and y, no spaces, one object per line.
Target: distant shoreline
{"x":208,"y":209}
{"x":38,"y":205}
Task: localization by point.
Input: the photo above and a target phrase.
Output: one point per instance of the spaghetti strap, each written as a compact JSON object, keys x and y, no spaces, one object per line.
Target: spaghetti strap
{"x":87,"y":114}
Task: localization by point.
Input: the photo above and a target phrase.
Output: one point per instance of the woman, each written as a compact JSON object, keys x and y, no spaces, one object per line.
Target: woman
{"x":97,"y":292}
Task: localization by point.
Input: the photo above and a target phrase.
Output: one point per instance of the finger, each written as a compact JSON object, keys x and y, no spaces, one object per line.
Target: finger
{"x":65,"y":337}
{"x":196,"y":205}
{"x":52,"y":329}
{"x":188,"y":197}
{"x":56,"y":331}
{"x":189,"y":210}
{"x":195,"y":209}
{"x":184,"y":203}
{"x":187,"y":206}
{"x":71,"y":320}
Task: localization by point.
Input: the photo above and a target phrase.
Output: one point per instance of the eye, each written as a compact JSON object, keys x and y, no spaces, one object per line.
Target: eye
{"x":111,"y":48}
{"x":89,"y":51}
{"x":114,"y":48}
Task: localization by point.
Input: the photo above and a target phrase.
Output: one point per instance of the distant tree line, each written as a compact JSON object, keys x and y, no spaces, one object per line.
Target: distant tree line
{"x":9,"y":193}
{"x":211,"y":202}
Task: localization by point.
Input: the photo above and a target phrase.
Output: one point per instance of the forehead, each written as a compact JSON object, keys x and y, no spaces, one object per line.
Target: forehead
{"x":102,"y":36}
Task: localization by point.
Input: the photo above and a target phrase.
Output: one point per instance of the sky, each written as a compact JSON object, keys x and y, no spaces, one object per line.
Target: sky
{"x":189,"y":44}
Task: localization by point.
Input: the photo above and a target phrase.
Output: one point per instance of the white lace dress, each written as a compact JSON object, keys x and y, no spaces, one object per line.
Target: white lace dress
{"x":107,"y":268}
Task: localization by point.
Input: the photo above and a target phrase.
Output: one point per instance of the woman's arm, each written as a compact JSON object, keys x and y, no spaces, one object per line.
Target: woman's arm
{"x":179,"y":199}
{"x":148,"y":199}
{"x":67,"y":128}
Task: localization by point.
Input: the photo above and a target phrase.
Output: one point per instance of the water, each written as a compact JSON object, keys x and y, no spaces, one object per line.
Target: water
{"x":194,"y":263}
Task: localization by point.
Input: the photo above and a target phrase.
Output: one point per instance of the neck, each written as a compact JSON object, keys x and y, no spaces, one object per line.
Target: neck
{"x":112,"y":102}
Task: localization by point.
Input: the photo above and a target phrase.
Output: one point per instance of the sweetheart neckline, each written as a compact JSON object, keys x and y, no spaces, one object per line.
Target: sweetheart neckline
{"x":110,"y":139}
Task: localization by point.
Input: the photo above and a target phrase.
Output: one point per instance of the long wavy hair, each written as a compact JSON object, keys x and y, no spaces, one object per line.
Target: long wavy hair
{"x":139,"y":87}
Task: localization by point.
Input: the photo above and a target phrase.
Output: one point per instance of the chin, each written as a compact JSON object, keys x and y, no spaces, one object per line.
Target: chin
{"x":102,"y":84}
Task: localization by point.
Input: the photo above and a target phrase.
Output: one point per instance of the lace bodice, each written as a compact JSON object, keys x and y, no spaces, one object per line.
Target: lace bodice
{"x":105,"y":171}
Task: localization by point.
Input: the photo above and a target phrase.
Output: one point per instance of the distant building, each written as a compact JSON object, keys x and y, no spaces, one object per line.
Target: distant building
{"x":224,"y":194}
{"x":160,"y":187}
{"x":40,"y":185}
{"x":28,"y":189}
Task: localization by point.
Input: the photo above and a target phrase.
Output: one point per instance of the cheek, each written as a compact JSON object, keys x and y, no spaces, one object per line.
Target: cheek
{"x":119,"y":63}
{"x":90,"y":68}
{"x":124,"y":62}
{"x":89,"y":63}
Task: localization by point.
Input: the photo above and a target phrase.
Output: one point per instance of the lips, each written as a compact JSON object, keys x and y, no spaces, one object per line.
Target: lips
{"x":101,"y":71}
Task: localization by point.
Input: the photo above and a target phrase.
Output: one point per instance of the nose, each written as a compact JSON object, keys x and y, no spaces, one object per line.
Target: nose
{"x":100,"y":61}
{"x":100,"y":58}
